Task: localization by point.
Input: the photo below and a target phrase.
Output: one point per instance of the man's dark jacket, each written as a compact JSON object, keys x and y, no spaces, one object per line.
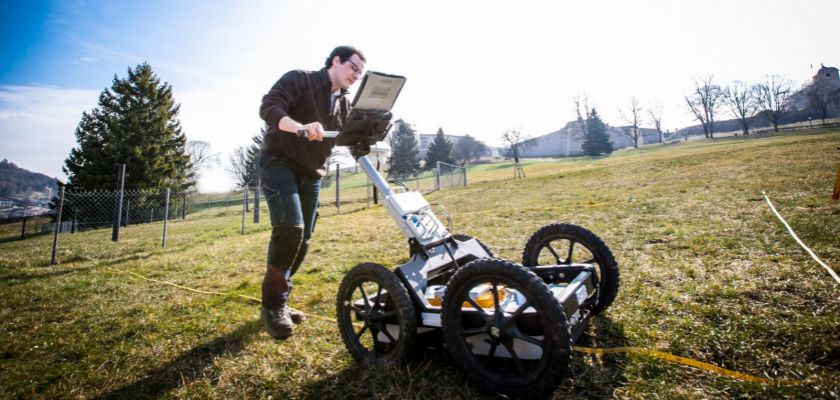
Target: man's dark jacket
{"x":304,"y":96}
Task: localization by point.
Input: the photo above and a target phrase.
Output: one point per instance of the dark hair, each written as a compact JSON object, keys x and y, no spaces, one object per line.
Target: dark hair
{"x":343,"y":53}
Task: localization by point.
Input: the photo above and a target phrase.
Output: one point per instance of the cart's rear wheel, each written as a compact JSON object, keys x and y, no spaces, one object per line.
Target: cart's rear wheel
{"x":462,"y":237}
{"x":559,"y":244}
{"x":514,"y":339}
{"x":375,"y":315}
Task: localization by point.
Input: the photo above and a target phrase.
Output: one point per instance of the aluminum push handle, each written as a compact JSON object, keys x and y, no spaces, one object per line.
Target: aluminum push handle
{"x":303,"y":133}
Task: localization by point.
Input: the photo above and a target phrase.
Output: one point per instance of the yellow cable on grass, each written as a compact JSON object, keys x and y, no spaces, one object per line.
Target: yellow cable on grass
{"x":186,"y":288}
{"x":242,"y":296}
{"x":589,"y":350}
{"x":792,"y":233}
{"x":692,"y":363}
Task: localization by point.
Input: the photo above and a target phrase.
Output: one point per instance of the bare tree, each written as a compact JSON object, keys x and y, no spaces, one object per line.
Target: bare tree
{"x":655,"y":114}
{"x":772,"y":96}
{"x":244,"y":162}
{"x":704,"y":102}
{"x":514,"y":140}
{"x":633,"y":116}
{"x":240,"y":168}
{"x":468,"y":149}
{"x":201,"y":156}
{"x":740,"y":98}
{"x":582,"y":99}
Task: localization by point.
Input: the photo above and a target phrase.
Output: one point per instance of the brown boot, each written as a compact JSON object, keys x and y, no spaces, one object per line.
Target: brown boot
{"x":297,"y":315}
{"x":277,"y":323}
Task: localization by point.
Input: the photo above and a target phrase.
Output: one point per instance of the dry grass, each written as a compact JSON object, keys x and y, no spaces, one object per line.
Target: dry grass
{"x":707,"y":273}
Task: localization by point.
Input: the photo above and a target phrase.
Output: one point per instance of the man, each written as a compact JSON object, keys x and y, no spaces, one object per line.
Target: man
{"x":291,"y":168}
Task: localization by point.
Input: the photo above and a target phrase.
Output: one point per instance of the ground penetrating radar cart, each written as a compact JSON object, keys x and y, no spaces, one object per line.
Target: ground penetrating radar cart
{"x":509,"y":326}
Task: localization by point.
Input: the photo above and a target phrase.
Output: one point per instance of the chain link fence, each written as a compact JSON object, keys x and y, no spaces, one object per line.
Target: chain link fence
{"x":23,"y":226}
{"x":83,"y":222}
{"x":449,"y":176}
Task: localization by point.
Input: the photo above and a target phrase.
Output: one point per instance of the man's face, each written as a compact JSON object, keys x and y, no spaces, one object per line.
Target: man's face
{"x":348,"y":72}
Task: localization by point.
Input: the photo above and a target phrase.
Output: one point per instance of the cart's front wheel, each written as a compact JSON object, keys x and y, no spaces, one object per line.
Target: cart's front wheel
{"x":375,"y":315}
{"x":563,"y":244}
{"x":504,"y":329}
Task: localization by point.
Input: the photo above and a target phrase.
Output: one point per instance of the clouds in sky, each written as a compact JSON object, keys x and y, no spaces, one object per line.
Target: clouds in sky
{"x":37,"y":125}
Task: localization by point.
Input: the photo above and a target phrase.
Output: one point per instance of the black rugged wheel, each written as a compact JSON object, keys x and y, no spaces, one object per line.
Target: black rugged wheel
{"x":462,"y":237}
{"x":512,"y":340}
{"x":558,"y":244}
{"x":375,"y":315}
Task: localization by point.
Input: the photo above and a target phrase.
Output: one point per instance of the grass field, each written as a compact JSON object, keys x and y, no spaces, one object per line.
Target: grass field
{"x":707,"y":273}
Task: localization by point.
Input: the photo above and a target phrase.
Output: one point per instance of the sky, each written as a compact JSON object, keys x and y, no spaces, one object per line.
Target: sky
{"x":472,"y":67}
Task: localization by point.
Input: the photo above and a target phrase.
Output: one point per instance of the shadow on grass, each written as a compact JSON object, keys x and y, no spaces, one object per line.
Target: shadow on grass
{"x":26,"y":236}
{"x":594,"y":377}
{"x":22,"y":277}
{"x":432,"y":374}
{"x":428,"y":375}
{"x":188,"y":366}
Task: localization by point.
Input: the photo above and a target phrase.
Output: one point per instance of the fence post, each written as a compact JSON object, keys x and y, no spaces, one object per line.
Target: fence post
{"x":115,"y":232}
{"x":23,"y":229}
{"x":437,"y":176}
{"x":367,"y":188}
{"x":127,"y":213}
{"x":337,"y":191}
{"x":375,"y":193}
{"x":57,"y":224}
{"x":184,"y":206}
{"x":165,"y":218}
{"x":257,"y":201}
{"x":465,"y":175}
{"x":244,"y":210}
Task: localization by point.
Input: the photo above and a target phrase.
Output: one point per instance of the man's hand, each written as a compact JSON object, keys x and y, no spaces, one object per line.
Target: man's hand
{"x":314,"y":131}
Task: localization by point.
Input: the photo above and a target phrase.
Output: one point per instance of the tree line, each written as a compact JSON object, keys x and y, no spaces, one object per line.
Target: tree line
{"x":136,"y":123}
{"x":770,"y":99}
{"x":405,"y":151}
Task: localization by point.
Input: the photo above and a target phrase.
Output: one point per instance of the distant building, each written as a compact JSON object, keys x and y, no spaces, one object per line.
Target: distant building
{"x":568,"y":141}
{"x":379,"y":155}
{"x":826,"y":78}
{"x":826,"y":73}
{"x":426,"y":140}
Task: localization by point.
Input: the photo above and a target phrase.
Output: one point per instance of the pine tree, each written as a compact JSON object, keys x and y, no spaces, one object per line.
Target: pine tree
{"x":596,"y":141}
{"x":135,"y":123}
{"x":439,"y":150}
{"x":404,"y":159}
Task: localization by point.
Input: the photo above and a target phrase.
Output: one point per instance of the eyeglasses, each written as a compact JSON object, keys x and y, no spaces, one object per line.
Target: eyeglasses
{"x":356,"y":69}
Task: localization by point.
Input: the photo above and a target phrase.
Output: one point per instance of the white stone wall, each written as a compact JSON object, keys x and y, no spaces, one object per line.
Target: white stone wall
{"x":567,"y":141}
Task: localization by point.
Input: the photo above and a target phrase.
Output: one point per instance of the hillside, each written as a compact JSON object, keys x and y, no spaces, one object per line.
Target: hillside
{"x":24,"y":186}
{"x":707,"y":273}
{"x":23,"y":191}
